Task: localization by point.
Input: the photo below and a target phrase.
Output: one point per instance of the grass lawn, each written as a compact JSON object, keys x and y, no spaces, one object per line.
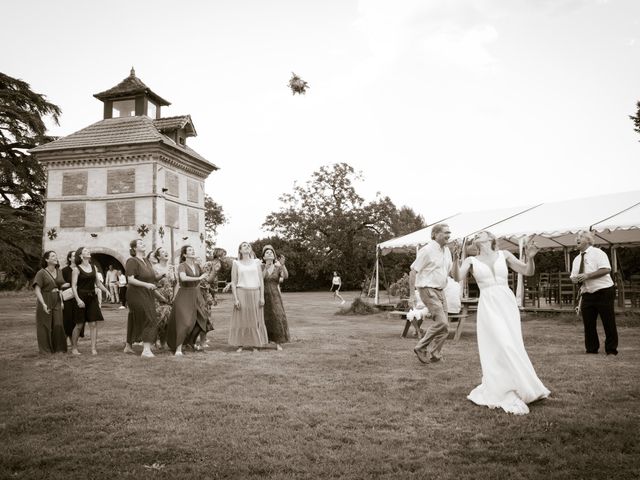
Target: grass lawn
{"x":346,"y":399}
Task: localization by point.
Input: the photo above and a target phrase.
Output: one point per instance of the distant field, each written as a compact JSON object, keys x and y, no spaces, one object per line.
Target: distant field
{"x":346,"y":399}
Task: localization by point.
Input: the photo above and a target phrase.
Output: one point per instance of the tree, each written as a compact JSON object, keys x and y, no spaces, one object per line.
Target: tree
{"x":333,"y":225}
{"x":22,"y":178}
{"x":636,"y":119}
{"x":214,"y":217}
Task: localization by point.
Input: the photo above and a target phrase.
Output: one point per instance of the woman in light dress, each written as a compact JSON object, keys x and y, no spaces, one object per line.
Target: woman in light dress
{"x":508,"y":378}
{"x":247,"y":327}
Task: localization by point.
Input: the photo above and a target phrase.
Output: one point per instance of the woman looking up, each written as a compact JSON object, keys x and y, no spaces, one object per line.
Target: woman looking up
{"x":247,"y":327}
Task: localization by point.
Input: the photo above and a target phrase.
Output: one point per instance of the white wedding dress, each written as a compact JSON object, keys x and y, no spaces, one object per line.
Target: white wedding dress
{"x":508,"y":378}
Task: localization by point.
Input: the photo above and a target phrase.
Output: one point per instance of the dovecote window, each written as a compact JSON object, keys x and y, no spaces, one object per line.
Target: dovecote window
{"x":192,"y":191}
{"x":172,"y":215}
{"x":74,"y":183}
{"x":121,"y":180}
{"x":72,"y":215}
{"x":124,"y":108}
{"x":152,"y":110}
{"x":193,"y":220}
{"x":172,"y":184}
{"x":121,"y":213}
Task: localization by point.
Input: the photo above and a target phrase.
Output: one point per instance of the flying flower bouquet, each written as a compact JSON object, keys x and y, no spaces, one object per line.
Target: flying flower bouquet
{"x":297,"y":85}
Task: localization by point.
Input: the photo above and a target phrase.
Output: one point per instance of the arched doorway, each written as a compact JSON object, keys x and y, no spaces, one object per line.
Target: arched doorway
{"x":103,"y":260}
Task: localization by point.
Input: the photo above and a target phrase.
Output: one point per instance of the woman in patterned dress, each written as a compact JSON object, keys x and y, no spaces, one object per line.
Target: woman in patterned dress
{"x":275,"y":319}
{"x":49,"y":324}
{"x":188,"y":316}
{"x":84,"y":282}
{"x":167,"y":282}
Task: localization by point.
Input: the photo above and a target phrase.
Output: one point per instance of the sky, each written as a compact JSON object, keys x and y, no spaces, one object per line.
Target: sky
{"x":443,"y":106}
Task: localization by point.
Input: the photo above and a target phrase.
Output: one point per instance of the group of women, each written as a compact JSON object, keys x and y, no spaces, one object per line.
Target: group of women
{"x":67,"y":300}
{"x":168,"y":307}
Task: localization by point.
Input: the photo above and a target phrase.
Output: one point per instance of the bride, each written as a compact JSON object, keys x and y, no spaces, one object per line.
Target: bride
{"x":508,"y":378}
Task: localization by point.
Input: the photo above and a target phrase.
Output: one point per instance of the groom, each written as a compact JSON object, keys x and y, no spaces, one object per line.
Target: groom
{"x":429,"y":273}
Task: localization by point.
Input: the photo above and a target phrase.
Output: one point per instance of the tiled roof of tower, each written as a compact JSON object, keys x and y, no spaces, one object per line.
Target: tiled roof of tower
{"x":117,"y":131}
{"x":130,"y":86}
{"x":174,"y":123}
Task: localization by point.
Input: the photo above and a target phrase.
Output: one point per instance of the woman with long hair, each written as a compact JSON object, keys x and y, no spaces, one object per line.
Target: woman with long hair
{"x":274,"y":273}
{"x":509,"y":380}
{"x":49,"y":324}
{"x":188,"y":316}
{"x":247,"y":327}
{"x":84,"y":282}
{"x":142,"y":321}
{"x":70,"y":313}
{"x":167,"y":283}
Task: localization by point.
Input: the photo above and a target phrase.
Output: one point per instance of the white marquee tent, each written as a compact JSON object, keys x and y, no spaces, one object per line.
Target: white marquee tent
{"x":615,"y":219}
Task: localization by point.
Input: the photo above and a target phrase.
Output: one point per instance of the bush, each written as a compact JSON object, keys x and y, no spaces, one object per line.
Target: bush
{"x":358,"y":307}
{"x":401,"y":287}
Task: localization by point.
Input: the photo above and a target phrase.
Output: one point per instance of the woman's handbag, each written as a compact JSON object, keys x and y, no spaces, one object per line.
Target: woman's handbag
{"x":67,"y":294}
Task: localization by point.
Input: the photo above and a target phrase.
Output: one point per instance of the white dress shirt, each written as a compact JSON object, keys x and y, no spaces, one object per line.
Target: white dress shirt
{"x":432,"y":265}
{"x":594,"y":259}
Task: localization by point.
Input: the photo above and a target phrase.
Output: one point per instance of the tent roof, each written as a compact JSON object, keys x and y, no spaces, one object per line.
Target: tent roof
{"x":461,"y":225}
{"x":615,"y":218}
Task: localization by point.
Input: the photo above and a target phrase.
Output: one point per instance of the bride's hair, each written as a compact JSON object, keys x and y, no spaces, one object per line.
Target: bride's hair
{"x":494,"y":242}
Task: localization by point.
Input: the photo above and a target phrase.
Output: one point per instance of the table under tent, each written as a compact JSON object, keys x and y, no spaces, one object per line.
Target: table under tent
{"x":614,"y":218}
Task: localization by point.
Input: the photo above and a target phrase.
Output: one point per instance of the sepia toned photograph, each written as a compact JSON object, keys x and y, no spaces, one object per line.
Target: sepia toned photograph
{"x":341,"y":239}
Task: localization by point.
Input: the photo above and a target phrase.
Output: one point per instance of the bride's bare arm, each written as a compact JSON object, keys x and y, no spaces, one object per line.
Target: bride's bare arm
{"x":519,"y":266}
{"x":460,"y":272}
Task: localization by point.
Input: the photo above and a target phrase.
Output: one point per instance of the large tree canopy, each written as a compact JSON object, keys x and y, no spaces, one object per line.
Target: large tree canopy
{"x":22,"y":178}
{"x":335,"y":227}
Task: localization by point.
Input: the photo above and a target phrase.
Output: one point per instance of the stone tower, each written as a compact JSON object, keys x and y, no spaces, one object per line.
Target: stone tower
{"x":127,"y":176}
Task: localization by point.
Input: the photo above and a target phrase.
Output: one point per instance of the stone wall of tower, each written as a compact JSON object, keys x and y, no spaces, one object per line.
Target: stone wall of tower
{"x":180,"y":210}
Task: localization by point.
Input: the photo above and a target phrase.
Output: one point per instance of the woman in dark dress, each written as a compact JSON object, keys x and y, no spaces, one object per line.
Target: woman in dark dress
{"x":142,"y":323}
{"x":84,"y":282}
{"x":49,"y":327}
{"x":70,"y":313}
{"x":188,"y":316}
{"x":275,"y":319}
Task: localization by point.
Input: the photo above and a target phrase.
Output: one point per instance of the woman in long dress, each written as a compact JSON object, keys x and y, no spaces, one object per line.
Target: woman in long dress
{"x":274,"y":273}
{"x":70,"y":312}
{"x":509,"y":380}
{"x":167,"y":282}
{"x":84,"y":282}
{"x":49,"y":324}
{"x":142,"y":323}
{"x":188,"y":316}
{"x":247,"y":319}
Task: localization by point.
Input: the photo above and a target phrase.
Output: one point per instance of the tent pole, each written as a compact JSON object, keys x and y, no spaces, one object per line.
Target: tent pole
{"x":377,"y":276}
{"x":520,"y":280}
{"x":567,"y":268}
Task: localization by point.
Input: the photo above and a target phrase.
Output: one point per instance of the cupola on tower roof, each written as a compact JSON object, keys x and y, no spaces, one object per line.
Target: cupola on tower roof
{"x":131,"y":97}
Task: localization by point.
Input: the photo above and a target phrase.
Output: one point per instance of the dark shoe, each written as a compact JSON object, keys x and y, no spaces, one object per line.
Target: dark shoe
{"x":436,"y":359}
{"x":613,"y":353}
{"x":422,"y":356}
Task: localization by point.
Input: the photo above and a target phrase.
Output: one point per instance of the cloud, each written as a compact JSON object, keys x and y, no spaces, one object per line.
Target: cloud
{"x":439,"y":33}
